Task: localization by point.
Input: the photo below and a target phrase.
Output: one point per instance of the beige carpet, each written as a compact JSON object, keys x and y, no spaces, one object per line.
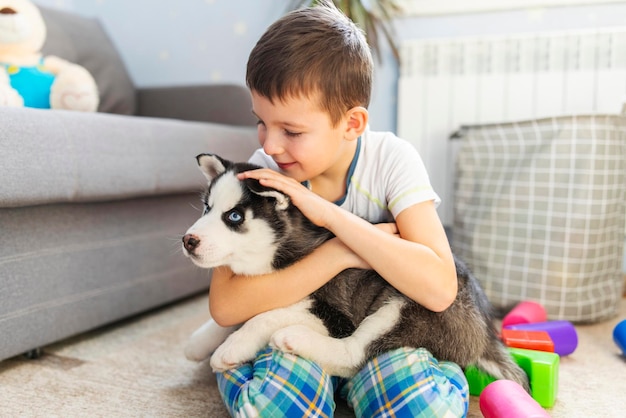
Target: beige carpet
{"x":137,"y":369}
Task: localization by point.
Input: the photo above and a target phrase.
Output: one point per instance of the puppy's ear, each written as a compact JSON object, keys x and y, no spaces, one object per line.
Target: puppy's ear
{"x":212,"y":165}
{"x":282,"y":200}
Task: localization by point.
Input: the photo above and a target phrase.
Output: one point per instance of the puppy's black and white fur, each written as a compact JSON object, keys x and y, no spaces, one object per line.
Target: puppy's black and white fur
{"x":354,"y":317}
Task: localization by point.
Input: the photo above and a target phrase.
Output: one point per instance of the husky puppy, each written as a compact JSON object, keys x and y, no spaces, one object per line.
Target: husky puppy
{"x":354,"y":317}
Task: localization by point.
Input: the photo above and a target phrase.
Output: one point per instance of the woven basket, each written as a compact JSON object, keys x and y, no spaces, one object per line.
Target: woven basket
{"x":540,"y":212}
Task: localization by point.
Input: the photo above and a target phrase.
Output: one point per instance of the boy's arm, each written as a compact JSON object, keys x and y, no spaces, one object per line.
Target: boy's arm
{"x":235,"y":298}
{"x":419,"y":263}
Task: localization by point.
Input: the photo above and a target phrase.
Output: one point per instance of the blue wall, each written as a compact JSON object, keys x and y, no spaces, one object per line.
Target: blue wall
{"x":182,"y":42}
{"x":208,"y":41}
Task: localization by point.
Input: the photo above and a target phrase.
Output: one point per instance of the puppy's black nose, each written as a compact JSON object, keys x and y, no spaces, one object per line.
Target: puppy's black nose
{"x":190,"y":242}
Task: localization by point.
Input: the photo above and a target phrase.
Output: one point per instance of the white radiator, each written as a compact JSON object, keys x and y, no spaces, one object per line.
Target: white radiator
{"x":446,"y":83}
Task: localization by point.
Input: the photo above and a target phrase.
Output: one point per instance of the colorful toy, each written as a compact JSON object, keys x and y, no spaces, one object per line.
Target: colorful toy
{"x":542,"y":369}
{"x":507,"y":399}
{"x":562,"y":333}
{"x":477,"y":380}
{"x":531,"y":340}
{"x":524,"y":313}
{"x":29,"y":79}
{"x":619,"y":336}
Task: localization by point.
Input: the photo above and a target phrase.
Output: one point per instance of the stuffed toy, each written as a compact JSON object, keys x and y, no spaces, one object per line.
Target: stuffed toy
{"x":29,"y":79}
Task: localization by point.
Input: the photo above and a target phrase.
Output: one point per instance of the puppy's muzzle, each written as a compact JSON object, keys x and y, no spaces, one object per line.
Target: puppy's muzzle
{"x":191,"y":242}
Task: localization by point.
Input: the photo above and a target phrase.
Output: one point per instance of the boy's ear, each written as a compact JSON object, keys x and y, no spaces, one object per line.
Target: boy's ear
{"x":357,"y":119}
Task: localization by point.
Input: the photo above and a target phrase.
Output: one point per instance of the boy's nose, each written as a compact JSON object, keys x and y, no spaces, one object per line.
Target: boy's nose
{"x":272,"y":145}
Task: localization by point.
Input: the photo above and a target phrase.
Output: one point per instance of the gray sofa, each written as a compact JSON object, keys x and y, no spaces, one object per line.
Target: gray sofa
{"x":93,"y":205}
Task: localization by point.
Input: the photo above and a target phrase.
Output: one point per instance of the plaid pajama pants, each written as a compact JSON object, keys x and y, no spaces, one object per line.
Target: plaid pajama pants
{"x":402,"y":383}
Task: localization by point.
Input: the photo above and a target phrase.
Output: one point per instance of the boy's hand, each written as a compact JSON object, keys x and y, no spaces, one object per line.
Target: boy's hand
{"x":315,"y":208}
{"x":390,"y":228}
{"x":351,"y":258}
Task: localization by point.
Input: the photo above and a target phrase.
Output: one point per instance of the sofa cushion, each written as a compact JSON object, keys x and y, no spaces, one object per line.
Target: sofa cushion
{"x":66,"y":156}
{"x":83,"y":41}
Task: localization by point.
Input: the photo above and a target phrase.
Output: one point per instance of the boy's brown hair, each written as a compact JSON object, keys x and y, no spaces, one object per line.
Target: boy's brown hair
{"x":313,"y":52}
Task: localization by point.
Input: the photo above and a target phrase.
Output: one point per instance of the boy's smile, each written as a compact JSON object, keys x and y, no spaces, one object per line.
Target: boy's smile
{"x":300,"y":138}
{"x":285,"y":166}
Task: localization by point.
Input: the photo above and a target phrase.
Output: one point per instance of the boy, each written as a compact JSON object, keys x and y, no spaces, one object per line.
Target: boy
{"x":310,"y":79}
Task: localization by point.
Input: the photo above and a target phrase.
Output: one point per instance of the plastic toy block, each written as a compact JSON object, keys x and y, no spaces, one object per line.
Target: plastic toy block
{"x":619,"y":336}
{"x":525,"y":313}
{"x":531,"y":340}
{"x":507,"y":399}
{"x":542,"y":369}
{"x":477,"y":380}
{"x":562,"y":333}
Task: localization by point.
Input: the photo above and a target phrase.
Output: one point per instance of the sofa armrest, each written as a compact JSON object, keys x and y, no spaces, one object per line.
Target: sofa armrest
{"x":221,"y":103}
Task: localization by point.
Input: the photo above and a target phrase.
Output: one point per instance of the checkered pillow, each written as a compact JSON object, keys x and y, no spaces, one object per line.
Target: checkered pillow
{"x":540,"y":212}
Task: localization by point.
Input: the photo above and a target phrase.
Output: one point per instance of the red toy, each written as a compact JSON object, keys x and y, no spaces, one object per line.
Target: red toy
{"x":562,"y":333}
{"x":531,"y":340}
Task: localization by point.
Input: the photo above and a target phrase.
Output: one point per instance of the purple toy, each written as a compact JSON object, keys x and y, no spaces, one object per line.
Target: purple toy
{"x":507,"y":399}
{"x":562,"y":333}
{"x":619,"y":336}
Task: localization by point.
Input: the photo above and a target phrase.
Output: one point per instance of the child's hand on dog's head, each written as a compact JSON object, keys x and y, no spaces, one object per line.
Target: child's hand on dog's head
{"x":317,"y":209}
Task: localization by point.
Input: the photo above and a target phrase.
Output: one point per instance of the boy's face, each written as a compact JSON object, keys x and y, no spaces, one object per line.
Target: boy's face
{"x":299,"y":136}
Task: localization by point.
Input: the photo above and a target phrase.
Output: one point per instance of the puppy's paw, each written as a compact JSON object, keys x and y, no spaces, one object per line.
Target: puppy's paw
{"x":205,"y":340}
{"x":220,"y":363}
{"x":231,"y":354}
{"x":196,"y":351}
{"x":295,"y":339}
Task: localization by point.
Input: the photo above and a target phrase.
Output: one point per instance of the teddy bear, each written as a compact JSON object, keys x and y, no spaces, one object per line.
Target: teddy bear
{"x":29,"y":79}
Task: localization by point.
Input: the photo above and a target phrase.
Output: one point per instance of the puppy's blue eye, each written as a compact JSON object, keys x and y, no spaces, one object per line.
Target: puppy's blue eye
{"x":233,"y":217}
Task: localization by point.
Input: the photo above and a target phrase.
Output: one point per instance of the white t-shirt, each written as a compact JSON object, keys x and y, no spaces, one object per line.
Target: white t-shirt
{"x":387,"y":175}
